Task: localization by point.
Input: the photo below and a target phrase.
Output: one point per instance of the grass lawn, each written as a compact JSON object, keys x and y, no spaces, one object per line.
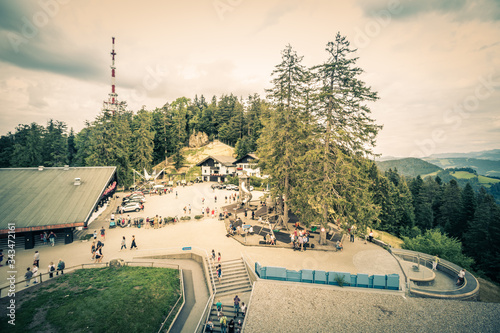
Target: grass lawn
{"x":126,"y":299}
{"x":387,"y":238}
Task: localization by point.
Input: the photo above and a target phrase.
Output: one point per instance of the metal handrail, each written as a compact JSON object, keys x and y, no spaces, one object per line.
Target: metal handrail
{"x":181,"y":279}
{"x":206,"y":311}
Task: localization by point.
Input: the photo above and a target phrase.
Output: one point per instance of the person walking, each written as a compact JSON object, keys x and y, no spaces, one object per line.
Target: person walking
{"x":52,"y":238}
{"x":45,"y":238}
{"x":219,"y":273}
{"x":236,"y":305}
{"x":230,"y":326}
{"x":218,"y":305}
{"x":60,"y":267}
{"x":219,"y":258}
{"x":223,"y":323}
{"x":103,"y":233}
{"x":95,"y":235}
{"x":51,"y":269}
{"x":133,"y":243}
{"x":213,"y":255}
{"x":98,"y":254}
{"x":189,"y":208}
{"x":124,"y":246}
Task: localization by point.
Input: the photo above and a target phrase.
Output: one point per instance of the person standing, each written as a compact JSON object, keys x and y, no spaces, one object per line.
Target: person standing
{"x":27,"y":276}
{"x":243,"y":309}
{"x":95,"y":235}
{"x":51,"y":269}
{"x":133,"y":243}
{"x":103,"y":233}
{"x":45,"y":238}
{"x":236,"y":305}
{"x":435,"y":262}
{"x":60,"y":267}
{"x":35,"y":273}
{"x":52,"y":238}
{"x":213,"y":255}
{"x":92,"y":250}
{"x":219,"y":258}
{"x":36,"y":259}
{"x":370,"y":236}
{"x":124,"y":246}
{"x":189,"y":208}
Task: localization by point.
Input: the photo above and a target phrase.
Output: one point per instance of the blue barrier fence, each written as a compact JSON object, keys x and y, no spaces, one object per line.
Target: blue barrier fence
{"x":389,"y":281}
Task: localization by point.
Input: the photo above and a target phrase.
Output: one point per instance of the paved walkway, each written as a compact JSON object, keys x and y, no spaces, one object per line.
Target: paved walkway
{"x":208,"y":234}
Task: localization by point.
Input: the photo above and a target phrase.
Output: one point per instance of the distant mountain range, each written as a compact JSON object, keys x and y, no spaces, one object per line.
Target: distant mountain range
{"x":486,"y":163}
{"x":493,"y":154}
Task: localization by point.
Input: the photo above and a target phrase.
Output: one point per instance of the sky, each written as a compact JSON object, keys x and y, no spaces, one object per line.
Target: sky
{"x":434,"y":63}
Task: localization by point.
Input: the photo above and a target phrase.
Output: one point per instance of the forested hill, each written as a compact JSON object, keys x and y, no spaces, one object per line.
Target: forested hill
{"x":482,"y":166}
{"x":410,"y":167}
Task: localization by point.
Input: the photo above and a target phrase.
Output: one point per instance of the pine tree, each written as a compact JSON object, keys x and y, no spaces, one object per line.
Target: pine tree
{"x":451,"y":210}
{"x":344,"y":139}
{"x":282,"y":134}
{"x":141,"y":152}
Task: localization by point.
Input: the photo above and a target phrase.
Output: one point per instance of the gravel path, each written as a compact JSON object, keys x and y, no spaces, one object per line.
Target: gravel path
{"x":293,"y":307}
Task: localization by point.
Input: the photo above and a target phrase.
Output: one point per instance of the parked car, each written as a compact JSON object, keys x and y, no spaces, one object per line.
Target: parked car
{"x":132,"y":206}
{"x":127,"y":200}
{"x":232,"y":187}
{"x":135,"y":197}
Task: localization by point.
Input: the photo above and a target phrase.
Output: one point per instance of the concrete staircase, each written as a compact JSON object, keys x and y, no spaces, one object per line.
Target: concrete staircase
{"x":229,"y":311}
{"x":235,"y":279}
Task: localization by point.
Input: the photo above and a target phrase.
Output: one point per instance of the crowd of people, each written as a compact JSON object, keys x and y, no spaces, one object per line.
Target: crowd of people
{"x":34,"y":273}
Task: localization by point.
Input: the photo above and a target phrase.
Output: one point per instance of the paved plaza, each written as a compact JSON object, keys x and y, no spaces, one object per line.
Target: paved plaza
{"x":205,"y":234}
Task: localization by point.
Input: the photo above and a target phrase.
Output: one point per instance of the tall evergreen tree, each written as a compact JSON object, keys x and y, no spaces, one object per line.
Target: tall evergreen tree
{"x":451,"y":210}
{"x":109,"y":144}
{"x":141,"y":152}
{"x":345,"y":138}
{"x":55,"y":144}
{"x":282,"y":135}
{"x":28,"y":146}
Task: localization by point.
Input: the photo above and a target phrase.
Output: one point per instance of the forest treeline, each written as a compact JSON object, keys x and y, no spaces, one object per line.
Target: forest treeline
{"x":314,"y":135}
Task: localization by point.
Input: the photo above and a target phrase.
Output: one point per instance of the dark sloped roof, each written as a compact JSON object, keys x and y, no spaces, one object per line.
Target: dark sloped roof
{"x":224,"y":160}
{"x":31,"y":198}
{"x":249,"y":156}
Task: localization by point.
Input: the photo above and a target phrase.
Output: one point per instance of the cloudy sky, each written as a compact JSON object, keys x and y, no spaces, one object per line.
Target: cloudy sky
{"x":434,"y":63}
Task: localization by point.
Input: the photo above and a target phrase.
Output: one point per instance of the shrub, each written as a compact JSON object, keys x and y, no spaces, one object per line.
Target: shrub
{"x":340,"y":279}
{"x":86,"y":237}
{"x":197,"y":217}
{"x":433,"y":242}
{"x":183,"y":218}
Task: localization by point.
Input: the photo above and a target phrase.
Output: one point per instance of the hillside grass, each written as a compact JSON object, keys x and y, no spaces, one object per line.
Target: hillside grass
{"x":487,"y":180}
{"x":387,"y":238}
{"x":463,"y":175}
{"x":126,"y":299}
{"x":483,"y":180}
